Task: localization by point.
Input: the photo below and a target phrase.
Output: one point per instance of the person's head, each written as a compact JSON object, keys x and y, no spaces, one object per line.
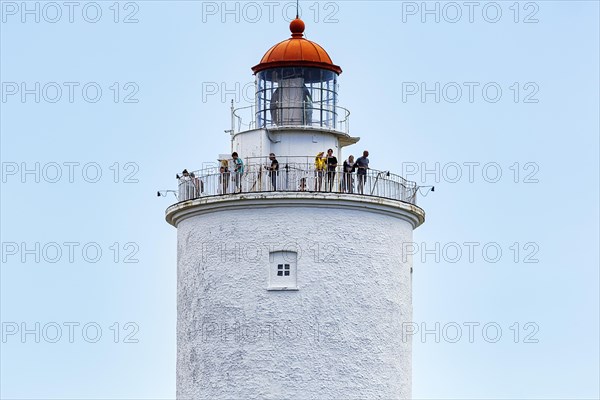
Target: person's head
{"x":222,"y":169}
{"x":234,"y":155}
{"x":329,"y":152}
{"x":365,"y":153}
{"x":185,"y":172}
{"x":319,"y":154}
{"x":272,"y":156}
{"x":350,"y":158}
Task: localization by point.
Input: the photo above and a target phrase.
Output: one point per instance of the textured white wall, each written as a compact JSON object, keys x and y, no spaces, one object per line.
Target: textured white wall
{"x":288,"y":142}
{"x":338,"y":336}
{"x":304,"y":143}
{"x":254,"y":143}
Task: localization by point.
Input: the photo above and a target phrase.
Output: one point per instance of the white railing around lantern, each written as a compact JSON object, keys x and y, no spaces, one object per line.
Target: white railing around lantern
{"x":295,"y":174}
{"x":321,"y":117}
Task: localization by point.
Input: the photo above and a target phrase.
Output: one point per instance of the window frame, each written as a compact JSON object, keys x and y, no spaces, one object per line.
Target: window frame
{"x":283,"y":270}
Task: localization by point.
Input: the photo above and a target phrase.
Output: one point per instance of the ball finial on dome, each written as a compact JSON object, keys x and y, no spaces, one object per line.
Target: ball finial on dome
{"x":297,"y":27}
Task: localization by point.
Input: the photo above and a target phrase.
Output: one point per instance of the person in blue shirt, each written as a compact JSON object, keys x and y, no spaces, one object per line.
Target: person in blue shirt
{"x":238,"y":171}
{"x":362,"y":165}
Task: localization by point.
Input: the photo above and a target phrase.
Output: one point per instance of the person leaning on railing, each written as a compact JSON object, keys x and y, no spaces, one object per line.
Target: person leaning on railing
{"x":190,"y":187}
{"x":362,"y":165}
{"x":303,"y":185}
{"x":198,"y":185}
{"x":348,"y":180}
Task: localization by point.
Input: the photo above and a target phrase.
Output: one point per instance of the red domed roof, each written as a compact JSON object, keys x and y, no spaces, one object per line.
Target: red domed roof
{"x":296,"y":52}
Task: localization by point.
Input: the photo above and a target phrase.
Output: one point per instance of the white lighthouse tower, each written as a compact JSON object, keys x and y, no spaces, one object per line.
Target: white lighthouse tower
{"x":291,"y":280}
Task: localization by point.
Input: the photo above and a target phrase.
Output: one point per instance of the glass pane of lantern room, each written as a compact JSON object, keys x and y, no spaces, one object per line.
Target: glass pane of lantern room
{"x":296,"y":96}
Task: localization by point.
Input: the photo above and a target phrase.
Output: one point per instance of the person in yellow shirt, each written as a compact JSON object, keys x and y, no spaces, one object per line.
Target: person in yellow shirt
{"x":320,"y":163}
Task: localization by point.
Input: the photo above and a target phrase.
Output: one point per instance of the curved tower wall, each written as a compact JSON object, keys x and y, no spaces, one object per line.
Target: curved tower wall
{"x":337,"y":334}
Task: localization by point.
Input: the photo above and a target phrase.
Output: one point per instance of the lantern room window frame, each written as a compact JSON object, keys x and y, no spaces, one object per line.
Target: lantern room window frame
{"x":318,"y":88}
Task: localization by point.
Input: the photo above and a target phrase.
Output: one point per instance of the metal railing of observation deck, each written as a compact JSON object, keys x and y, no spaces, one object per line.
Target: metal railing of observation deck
{"x":295,"y":174}
{"x":312,"y":116}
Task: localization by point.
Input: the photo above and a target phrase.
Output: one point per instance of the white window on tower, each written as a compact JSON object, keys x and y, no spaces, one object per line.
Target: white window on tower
{"x":283,"y":272}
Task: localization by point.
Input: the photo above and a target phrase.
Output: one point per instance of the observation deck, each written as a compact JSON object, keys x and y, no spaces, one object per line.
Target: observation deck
{"x":296,"y":180}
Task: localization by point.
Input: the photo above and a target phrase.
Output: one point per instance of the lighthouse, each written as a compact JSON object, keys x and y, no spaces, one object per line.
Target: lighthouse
{"x":293,"y":279}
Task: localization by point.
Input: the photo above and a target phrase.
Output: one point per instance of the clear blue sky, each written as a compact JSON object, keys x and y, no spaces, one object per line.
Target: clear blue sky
{"x":543,"y":143}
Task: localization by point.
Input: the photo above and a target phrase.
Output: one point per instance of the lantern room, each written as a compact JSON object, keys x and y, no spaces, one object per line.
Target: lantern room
{"x":296,"y":84}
